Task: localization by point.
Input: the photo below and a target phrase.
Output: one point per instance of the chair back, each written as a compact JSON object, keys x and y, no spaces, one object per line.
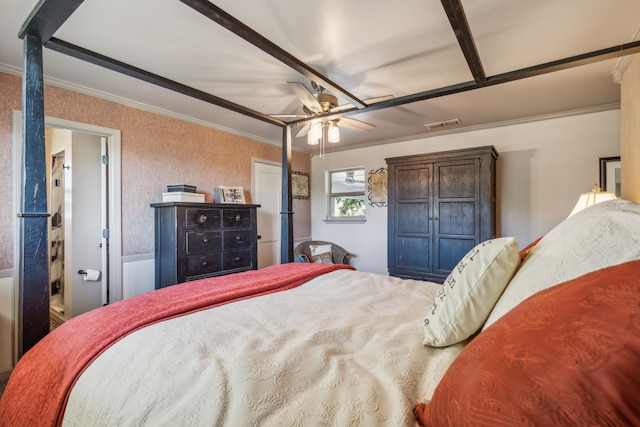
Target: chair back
{"x":339,"y":255}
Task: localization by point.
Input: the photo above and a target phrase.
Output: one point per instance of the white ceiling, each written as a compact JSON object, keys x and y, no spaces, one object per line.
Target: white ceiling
{"x":371,"y":48}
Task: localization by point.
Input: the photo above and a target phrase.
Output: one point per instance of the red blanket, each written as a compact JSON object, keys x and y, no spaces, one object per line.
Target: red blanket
{"x":40,"y":384}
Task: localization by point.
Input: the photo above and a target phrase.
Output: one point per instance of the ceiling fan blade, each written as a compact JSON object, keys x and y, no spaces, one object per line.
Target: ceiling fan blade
{"x":303,"y":131}
{"x":348,"y":122}
{"x":366,"y":101}
{"x":289,"y":116}
{"x":305,"y":96}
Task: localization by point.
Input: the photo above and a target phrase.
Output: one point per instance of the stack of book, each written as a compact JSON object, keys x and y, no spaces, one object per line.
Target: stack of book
{"x":182,"y":193}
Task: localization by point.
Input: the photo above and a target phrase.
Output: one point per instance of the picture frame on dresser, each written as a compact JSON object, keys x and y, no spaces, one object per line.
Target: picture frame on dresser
{"x":610,"y":176}
{"x":233,"y":195}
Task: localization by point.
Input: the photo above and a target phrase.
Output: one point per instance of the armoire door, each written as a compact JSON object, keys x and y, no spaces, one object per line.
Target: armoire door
{"x":413,"y":208}
{"x":456,"y":212}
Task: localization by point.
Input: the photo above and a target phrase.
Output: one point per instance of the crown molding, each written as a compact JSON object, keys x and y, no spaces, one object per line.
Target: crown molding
{"x":623,"y":62}
{"x":9,"y":69}
{"x":523,"y":120}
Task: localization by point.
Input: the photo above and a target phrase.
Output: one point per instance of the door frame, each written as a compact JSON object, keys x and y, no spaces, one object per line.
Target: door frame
{"x":114,"y":210}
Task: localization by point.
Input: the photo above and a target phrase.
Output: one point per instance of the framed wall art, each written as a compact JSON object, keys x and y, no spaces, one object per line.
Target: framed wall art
{"x":610,"y":177}
{"x":378,"y":187}
{"x":300,"y":185}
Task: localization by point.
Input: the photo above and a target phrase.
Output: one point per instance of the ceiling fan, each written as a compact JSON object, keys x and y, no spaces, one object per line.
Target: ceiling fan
{"x":322,"y":102}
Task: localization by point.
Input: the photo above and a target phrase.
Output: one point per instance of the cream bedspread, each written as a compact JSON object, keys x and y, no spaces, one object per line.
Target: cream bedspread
{"x":344,"y":349}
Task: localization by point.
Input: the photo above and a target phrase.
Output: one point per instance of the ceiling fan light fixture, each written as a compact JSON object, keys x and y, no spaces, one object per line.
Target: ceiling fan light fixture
{"x":333,"y":132}
{"x":315,"y":133}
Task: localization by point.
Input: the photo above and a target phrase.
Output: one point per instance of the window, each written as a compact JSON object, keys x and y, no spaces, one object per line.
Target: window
{"x":346,"y":194}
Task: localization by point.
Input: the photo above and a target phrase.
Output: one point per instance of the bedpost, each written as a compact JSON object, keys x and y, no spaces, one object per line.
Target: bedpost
{"x":33,"y":291}
{"x":33,"y":259}
{"x":286,"y":227}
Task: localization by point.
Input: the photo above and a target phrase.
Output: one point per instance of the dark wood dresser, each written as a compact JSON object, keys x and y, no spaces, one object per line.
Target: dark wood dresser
{"x":440,"y":206}
{"x":199,"y":240}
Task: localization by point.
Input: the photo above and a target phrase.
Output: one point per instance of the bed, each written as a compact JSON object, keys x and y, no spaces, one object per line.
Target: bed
{"x":543,"y":335}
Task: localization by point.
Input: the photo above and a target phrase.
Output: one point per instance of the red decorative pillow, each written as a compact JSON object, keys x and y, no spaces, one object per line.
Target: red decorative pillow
{"x":524,"y":252}
{"x":568,"y":355}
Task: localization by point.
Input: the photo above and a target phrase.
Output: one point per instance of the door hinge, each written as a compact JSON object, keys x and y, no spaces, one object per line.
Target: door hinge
{"x":105,"y":159}
{"x":105,"y":233}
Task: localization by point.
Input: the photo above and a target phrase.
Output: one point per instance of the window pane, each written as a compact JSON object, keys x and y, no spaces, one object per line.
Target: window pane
{"x":351,"y":181}
{"x":347,"y":206}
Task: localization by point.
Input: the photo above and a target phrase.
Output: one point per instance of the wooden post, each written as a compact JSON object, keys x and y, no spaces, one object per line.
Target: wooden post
{"x":33,"y":291}
{"x":286,"y":225}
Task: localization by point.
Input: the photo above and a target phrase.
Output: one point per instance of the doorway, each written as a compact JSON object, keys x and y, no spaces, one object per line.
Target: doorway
{"x":99,"y":141}
{"x":266,"y":190}
{"x":77,"y":245}
{"x":56,"y":239}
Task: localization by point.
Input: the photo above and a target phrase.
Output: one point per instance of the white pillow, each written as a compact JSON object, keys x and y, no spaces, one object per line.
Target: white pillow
{"x":602,"y":235}
{"x":321,"y":254}
{"x":470,"y":291}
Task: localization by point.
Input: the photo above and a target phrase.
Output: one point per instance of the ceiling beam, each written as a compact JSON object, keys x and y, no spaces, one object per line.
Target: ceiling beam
{"x":523,"y":73}
{"x":47,"y":17}
{"x":232,"y":24}
{"x":458,"y":21}
{"x":131,"y":71}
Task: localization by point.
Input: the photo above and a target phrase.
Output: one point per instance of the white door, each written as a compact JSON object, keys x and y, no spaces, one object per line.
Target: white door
{"x":83,"y":219}
{"x":267,"y":182}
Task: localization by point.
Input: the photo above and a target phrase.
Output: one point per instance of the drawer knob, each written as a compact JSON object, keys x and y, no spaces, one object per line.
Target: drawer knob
{"x":202,"y":218}
{"x":205,"y":263}
{"x":238,"y":238}
{"x":238,"y":218}
{"x":236,"y":259}
{"x":205,"y":240}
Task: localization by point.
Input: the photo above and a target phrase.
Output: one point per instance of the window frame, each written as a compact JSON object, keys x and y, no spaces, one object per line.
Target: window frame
{"x":330,"y":195}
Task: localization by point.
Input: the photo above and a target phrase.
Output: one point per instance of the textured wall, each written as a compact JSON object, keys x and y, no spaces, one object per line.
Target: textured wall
{"x":156,"y":151}
{"x":10,"y":93}
{"x":630,"y":144}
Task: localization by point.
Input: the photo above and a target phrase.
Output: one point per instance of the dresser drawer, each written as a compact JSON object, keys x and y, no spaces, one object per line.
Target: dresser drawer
{"x":236,"y":218}
{"x":205,"y":241}
{"x":238,"y":239}
{"x":237,"y":259}
{"x":204,"y":264}
{"x":203,"y":218}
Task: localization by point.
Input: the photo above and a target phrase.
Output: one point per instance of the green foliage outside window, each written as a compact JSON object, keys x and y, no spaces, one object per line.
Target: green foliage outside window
{"x":350,"y":206}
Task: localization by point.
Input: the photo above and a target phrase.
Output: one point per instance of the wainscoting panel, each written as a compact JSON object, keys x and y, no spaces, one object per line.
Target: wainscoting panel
{"x":138,"y":275}
{"x":6,"y":322}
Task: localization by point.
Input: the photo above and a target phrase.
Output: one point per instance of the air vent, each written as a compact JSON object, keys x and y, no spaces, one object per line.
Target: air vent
{"x":443,"y":124}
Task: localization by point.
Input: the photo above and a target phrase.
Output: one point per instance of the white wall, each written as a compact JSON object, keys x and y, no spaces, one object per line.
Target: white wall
{"x":542,"y":168}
